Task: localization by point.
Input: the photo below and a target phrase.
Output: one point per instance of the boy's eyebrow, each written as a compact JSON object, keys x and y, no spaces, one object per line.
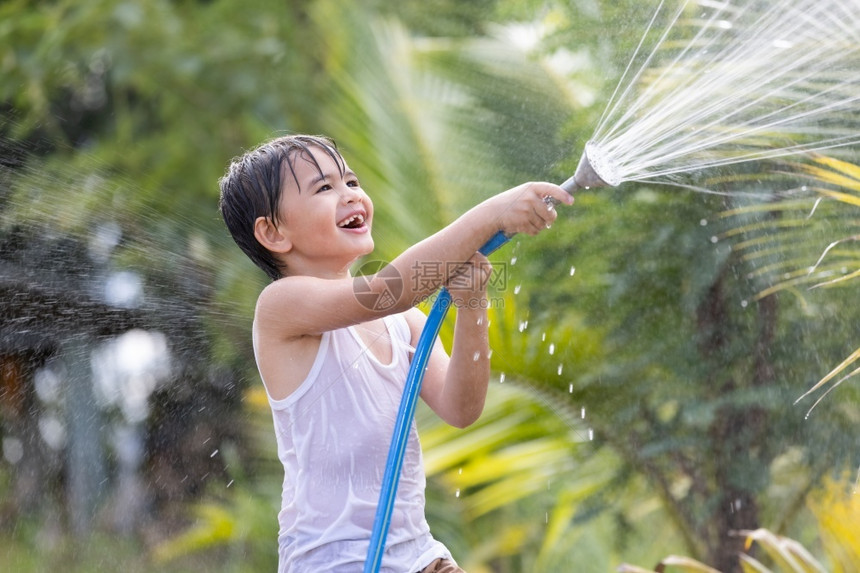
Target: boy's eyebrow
{"x":323,"y":176}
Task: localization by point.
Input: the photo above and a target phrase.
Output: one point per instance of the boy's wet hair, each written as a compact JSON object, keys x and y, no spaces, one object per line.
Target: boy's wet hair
{"x":252,"y":186}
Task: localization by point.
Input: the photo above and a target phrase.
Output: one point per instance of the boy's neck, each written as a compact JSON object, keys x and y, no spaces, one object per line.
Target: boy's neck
{"x":318,"y":269}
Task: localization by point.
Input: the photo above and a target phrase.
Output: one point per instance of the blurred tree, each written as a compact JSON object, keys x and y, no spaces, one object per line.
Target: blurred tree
{"x":111,"y":115}
{"x":784,"y":266}
{"x":696,"y":379}
{"x":697,"y":373}
{"x":628,"y":308}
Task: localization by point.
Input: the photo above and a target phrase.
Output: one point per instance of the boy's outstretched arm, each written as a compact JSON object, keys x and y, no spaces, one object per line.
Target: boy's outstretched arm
{"x":301,"y":305}
{"x":455,"y":388}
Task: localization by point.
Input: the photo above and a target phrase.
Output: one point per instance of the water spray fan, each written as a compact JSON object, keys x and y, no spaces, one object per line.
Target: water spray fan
{"x":757,"y":81}
{"x":594,"y":170}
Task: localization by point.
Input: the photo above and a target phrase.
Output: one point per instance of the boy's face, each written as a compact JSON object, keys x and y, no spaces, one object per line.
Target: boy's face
{"x":327,"y":217}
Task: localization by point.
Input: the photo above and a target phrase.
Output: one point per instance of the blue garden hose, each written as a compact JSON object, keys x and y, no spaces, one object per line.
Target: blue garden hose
{"x":404,"y":416}
{"x":584,"y":178}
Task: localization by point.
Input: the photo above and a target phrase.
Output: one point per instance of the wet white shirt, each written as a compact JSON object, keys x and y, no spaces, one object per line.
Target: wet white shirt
{"x":333,"y":436}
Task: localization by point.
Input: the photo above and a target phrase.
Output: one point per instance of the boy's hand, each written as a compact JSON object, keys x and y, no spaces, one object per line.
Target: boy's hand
{"x":468,"y":285}
{"x":529,"y":208}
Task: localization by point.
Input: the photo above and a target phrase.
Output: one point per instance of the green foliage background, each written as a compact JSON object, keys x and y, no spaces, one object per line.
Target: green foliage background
{"x":647,"y":392}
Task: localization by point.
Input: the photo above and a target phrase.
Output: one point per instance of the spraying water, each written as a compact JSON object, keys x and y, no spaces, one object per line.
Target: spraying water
{"x":745,"y":80}
{"x":730,"y":82}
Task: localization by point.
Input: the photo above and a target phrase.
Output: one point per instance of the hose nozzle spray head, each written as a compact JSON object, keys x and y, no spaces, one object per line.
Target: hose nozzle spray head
{"x":595,"y":169}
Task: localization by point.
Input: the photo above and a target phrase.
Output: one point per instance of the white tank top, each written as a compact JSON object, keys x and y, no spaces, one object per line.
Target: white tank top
{"x":333,"y":434}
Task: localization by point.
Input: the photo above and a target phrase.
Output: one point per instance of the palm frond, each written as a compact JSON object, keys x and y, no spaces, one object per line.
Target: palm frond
{"x":837,"y":509}
{"x":845,"y":364}
{"x":786,"y":555}
{"x":789,"y":555}
{"x":782,"y":242}
{"x":752,"y":565}
{"x":844,"y":197}
{"x":216,"y":525}
{"x":836,"y":281}
{"x":676,"y":562}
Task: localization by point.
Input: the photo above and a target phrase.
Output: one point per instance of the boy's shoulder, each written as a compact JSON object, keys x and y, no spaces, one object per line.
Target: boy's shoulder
{"x":278,"y":303}
{"x":287,"y":287}
{"x":303,"y":305}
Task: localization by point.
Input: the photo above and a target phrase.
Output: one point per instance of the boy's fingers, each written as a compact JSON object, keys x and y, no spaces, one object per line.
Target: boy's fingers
{"x":472,"y":275}
{"x":546,"y":211}
{"x":536,"y":225}
{"x":557,"y":193}
{"x":545,"y":217}
{"x":480,"y":259}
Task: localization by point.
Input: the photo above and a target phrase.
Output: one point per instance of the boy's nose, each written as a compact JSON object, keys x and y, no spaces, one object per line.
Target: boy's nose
{"x":350,"y":194}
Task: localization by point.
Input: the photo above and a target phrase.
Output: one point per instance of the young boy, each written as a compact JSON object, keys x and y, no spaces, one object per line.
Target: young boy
{"x":334,"y":358}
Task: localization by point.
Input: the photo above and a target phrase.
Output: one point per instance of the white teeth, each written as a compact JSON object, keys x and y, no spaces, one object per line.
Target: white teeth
{"x":357,"y":218}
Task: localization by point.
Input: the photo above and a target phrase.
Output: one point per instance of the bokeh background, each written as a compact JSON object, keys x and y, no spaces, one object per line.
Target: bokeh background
{"x":647,"y":351}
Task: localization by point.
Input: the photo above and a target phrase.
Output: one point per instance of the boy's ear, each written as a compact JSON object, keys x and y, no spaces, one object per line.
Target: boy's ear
{"x":270,"y":236}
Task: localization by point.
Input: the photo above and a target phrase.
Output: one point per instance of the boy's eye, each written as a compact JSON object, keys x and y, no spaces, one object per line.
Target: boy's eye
{"x":325,"y":187}
{"x":353,"y":183}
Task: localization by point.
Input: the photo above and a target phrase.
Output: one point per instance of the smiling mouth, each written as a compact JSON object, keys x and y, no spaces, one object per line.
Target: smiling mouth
{"x":354,"y":221}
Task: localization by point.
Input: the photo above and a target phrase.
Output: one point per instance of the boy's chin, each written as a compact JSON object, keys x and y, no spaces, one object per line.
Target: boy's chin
{"x":363,"y":251}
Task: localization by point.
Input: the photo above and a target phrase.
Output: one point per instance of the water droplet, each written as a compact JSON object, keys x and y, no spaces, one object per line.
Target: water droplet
{"x":502,"y":378}
{"x":513,"y":261}
{"x":543,"y":336}
{"x":460,"y":471}
{"x":480,"y":320}
{"x":523,"y":325}
{"x":703,"y":222}
{"x":476,"y":356}
{"x":560,"y":368}
{"x":570,"y":388}
{"x":517,"y":289}
{"x":572,"y":271}
{"x":552,"y":349}
{"x":457,"y":493}
{"x":229,"y":483}
{"x":489,"y":354}
{"x":714,"y":239}
{"x":582,"y":413}
{"x":213,"y":454}
{"x":744,"y":304}
{"x":590,"y":434}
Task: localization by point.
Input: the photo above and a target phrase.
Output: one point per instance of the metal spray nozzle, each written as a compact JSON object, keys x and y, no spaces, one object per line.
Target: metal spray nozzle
{"x":595,"y":169}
